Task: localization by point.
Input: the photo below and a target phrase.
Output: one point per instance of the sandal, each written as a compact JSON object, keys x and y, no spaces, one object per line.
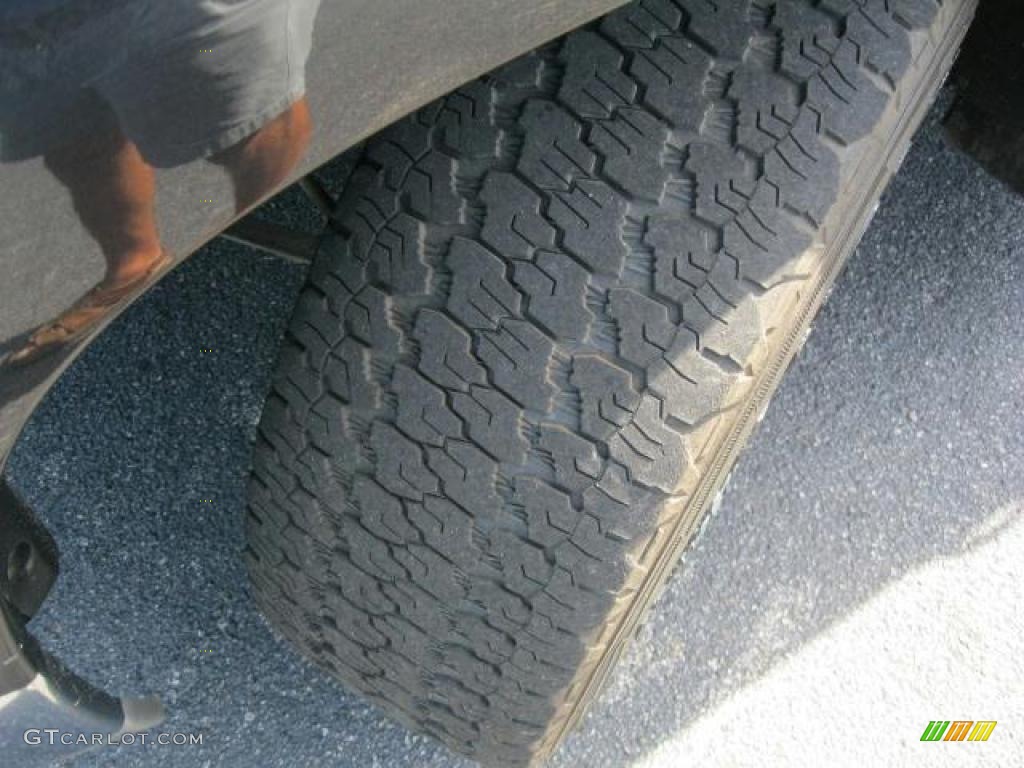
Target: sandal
{"x":82,"y":317}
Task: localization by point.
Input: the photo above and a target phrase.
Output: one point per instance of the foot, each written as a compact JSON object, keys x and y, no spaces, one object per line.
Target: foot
{"x":85,"y":314}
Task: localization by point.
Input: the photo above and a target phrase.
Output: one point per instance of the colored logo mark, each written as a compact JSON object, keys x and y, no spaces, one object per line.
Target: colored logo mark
{"x":958,"y":730}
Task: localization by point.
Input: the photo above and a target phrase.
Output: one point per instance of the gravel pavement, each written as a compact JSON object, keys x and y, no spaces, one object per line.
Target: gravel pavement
{"x":863,"y":575}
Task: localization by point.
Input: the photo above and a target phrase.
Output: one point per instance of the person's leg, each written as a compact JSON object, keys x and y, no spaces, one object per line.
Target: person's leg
{"x":113,"y":189}
{"x":262,"y":161}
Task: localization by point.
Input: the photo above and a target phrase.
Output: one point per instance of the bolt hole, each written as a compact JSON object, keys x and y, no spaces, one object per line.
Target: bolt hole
{"x":20,"y":562}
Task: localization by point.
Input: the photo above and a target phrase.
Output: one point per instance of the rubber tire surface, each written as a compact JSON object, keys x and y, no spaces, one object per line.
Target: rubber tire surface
{"x":555,"y":303}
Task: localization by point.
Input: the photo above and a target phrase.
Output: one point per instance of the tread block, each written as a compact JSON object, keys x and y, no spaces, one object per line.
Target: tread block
{"x":594,"y":85}
{"x":683,"y":249}
{"x":765,"y":242}
{"x":493,"y":423}
{"x":653,"y":453}
{"x":645,"y":330}
{"x":557,"y":287}
{"x":368,"y":319}
{"x":671,"y":61}
{"x":518,"y":356}
{"x":550,"y":515}
{"x":446,"y":528}
{"x":576,"y":461}
{"x":468,"y":475}
{"x":423,"y":413}
{"x":464,"y":121}
{"x":633,"y":145}
{"x":480,"y":295}
{"x":347,"y":374}
{"x":398,"y":256}
{"x":639,"y":25}
{"x":381,"y":513}
{"x":691,"y":387}
{"x":608,"y":397}
{"x":400,"y":466}
{"x":553,"y":157}
{"x":590,"y":217}
{"x":445,"y":356}
{"x":514,"y":225}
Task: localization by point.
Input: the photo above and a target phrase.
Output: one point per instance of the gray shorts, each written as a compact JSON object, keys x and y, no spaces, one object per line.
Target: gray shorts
{"x":182,"y":79}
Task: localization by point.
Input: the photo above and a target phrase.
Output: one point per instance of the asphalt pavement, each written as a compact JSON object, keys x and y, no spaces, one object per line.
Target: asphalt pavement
{"x":862,"y":577}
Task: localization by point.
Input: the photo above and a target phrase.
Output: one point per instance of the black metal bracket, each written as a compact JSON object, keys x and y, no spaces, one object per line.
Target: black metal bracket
{"x":272,"y":238}
{"x":291,"y":244}
{"x":28,"y":555}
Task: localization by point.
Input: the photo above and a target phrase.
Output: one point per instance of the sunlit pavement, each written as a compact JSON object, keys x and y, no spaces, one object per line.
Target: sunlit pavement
{"x":942,"y":642}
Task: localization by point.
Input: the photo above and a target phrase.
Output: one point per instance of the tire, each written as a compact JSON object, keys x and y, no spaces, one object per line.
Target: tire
{"x":554,"y":305}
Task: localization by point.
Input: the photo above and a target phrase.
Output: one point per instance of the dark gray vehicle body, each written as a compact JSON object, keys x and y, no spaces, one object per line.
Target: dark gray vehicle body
{"x":372,"y":62}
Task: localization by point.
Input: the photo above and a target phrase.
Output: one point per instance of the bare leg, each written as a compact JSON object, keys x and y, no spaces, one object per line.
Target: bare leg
{"x":261,"y":162}
{"x":113,"y":191}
